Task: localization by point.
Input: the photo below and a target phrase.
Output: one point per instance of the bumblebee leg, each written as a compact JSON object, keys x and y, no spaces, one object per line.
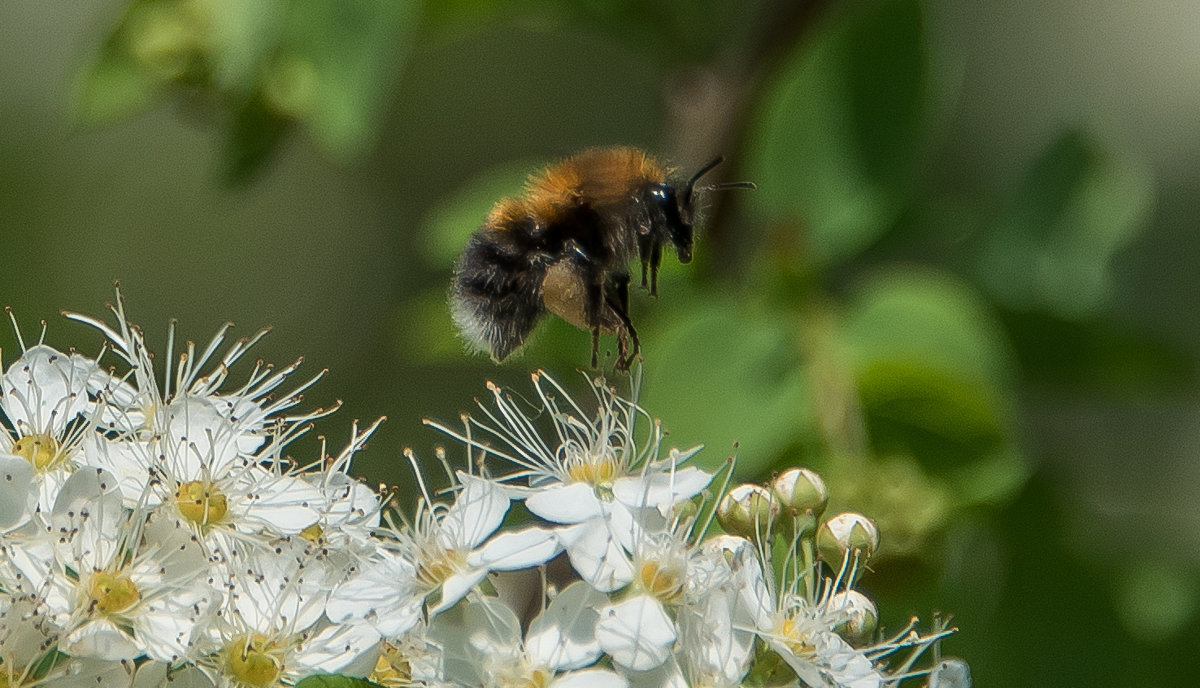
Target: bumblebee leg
{"x":595,"y":347}
{"x":644,"y":243}
{"x":655,"y":261}
{"x":595,"y":300}
{"x":618,"y":302}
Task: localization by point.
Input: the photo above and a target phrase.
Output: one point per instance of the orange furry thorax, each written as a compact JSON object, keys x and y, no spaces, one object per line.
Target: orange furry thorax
{"x":598,"y":177}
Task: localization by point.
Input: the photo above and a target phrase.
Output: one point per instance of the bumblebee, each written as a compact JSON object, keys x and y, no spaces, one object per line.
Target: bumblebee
{"x":565,"y":246}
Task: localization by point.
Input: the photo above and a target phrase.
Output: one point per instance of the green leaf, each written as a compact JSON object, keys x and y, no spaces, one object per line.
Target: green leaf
{"x":334,"y":681}
{"x":834,"y":144}
{"x":254,"y":135}
{"x":933,"y":373}
{"x":1052,"y":244}
{"x":722,"y":371}
{"x":354,"y":49}
{"x":928,"y":319}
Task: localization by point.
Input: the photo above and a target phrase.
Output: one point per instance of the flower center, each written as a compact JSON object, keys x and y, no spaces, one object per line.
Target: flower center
{"x":665,"y":582}
{"x":112,"y":593}
{"x":392,"y":668}
{"x":519,"y":674}
{"x":41,"y":451}
{"x":599,"y":471}
{"x":796,"y":639}
{"x":439,"y":564}
{"x":201,"y":502}
{"x":254,"y":660}
{"x":313,"y":532}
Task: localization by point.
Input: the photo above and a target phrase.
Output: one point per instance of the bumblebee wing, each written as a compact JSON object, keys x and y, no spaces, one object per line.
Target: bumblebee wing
{"x":496,"y":296}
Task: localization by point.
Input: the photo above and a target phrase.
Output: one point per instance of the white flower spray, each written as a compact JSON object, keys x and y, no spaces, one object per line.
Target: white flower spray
{"x":154,"y":529}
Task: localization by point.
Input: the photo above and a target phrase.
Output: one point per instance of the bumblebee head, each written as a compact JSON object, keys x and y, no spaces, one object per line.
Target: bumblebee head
{"x":679,"y":207}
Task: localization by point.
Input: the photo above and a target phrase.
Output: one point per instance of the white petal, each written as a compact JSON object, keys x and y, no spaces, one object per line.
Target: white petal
{"x":636,"y":633}
{"x":476,"y":513}
{"x":596,"y":556}
{"x":847,"y":666}
{"x":573,"y":503}
{"x":661,"y":489}
{"x":456,"y":587}
{"x":89,"y":508}
{"x":591,"y":678}
{"x":164,"y":628}
{"x":335,"y":648}
{"x":17,"y":496}
{"x":518,"y":550}
{"x":43,"y":390}
{"x":563,"y":637}
{"x":100,"y":639}
{"x":129,"y":461}
{"x":492,"y":627}
{"x":382,"y":593}
{"x":283,"y":504}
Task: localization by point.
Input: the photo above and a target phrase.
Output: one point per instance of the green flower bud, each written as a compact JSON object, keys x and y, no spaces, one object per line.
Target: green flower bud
{"x":847,"y":532}
{"x":862,"y":616}
{"x":802,"y":498}
{"x":748,"y":510}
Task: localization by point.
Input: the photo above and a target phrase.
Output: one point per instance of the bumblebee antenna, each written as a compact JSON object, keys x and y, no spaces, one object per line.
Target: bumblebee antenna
{"x":687,"y":195}
{"x":732,"y":185}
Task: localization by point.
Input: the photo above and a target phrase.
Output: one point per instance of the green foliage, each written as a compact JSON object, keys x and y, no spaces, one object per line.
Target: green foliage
{"x":833,"y":148}
{"x":326,"y":64}
{"x":1056,"y":234}
{"x":334,"y":681}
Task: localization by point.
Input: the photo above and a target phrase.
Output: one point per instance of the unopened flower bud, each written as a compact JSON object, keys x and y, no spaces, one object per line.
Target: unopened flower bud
{"x":686,"y":510}
{"x":802,"y":498}
{"x":747,"y":510}
{"x":862,"y":616}
{"x":951,"y":672}
{"x":847,"y":532}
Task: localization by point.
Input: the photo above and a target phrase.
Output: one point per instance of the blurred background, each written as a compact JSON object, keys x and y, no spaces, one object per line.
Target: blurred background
{"x":965,"y":290}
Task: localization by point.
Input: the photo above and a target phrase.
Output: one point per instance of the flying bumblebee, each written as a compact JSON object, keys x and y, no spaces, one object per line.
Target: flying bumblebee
{"x":565,"y":247}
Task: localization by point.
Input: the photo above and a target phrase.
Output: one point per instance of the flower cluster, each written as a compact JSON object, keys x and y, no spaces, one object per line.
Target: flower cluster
{"x":153,"y":530}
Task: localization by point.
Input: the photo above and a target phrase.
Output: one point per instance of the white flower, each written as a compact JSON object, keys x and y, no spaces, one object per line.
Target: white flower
{"x":215,"y":454}
{"x":271,"y":627}
{"x":26,"y":634}
{"x":484,"y":646}
{"x":44,"y":396}
{"x":595,"y":477}
{"x":119,"y":587}
{"x":18,"y":493}
{"x":637,"y":632}
{"x":348,"y":510}
{"x":446,"y":542}
{"x":382,"y":593}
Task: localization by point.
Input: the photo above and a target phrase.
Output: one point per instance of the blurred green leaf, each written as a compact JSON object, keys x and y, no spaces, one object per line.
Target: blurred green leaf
{"x":254,"y":133}
{"x":155,"y":43}
{"x":355,"y":49}
{"x":1098,"y":354}
{"x":929,"y":319}
{"x":719,"y":371}
{"x":334,"y":681}
{"x":330,"y":64}
{"x":834,"y":144}
{"x":1057,"y":232}
{"x":887,"y":73}
{"x":934,"y":378}
{"x":242,"y":37}
{"x":1157,"y":599}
